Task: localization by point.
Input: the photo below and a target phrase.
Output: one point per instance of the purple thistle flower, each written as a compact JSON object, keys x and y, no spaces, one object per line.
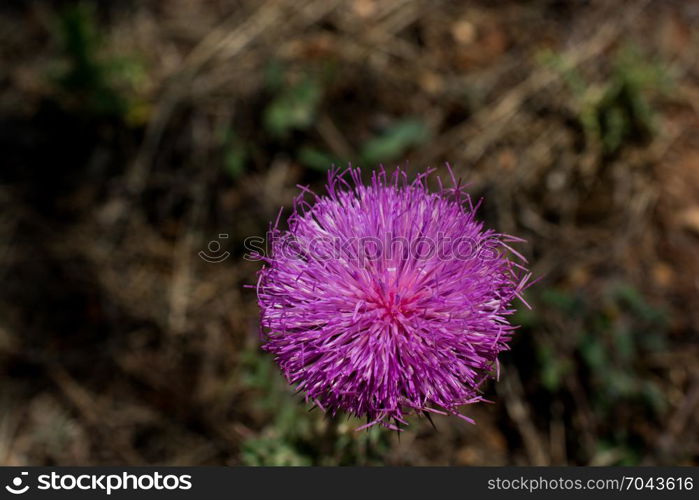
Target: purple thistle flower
{"x":385,"y":299}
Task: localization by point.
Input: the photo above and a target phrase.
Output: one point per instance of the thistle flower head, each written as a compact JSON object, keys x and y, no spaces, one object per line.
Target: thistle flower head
{"x":387,"y":299}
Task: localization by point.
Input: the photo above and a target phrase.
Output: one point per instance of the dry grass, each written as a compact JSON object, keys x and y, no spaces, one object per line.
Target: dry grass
{"x":119,"y":345}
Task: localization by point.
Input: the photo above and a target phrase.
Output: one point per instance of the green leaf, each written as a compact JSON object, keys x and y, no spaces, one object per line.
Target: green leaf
{"x":318,"y":160}
{"x":234,"y":155}
{"x":594,"y":353}
{"x":561,"y":299}
{"x":271,"y":451}
{"x":395,"y":141}
{"x":553,"y":369}
{"x":637,"y":304}
{"x":90,"y":81}
{"x":294,"y":108}
{"x":274,"y":75}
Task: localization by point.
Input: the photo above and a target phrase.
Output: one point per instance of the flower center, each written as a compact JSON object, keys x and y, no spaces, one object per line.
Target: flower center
{"x":391,"y":304}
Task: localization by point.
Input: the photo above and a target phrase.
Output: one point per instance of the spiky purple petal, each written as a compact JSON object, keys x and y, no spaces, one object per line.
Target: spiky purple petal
{"x":360,"y":324}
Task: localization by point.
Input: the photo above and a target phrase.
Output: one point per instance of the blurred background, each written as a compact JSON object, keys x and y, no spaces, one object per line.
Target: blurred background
{"x":142,"y":141}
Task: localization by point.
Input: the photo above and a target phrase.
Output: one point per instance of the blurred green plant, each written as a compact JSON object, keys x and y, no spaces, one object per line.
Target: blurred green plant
{"x":394,"y":141}
{"x":619,"y":109}
{"x":295,"y":104}
{"x":317,"y":159}
{"x":234,"y":153}
{"x":603,"y":342}
{"x":294,"y":436}
{"x":89,"y":81}
{"x":383,"y":148}
{"x":294,"y":107}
